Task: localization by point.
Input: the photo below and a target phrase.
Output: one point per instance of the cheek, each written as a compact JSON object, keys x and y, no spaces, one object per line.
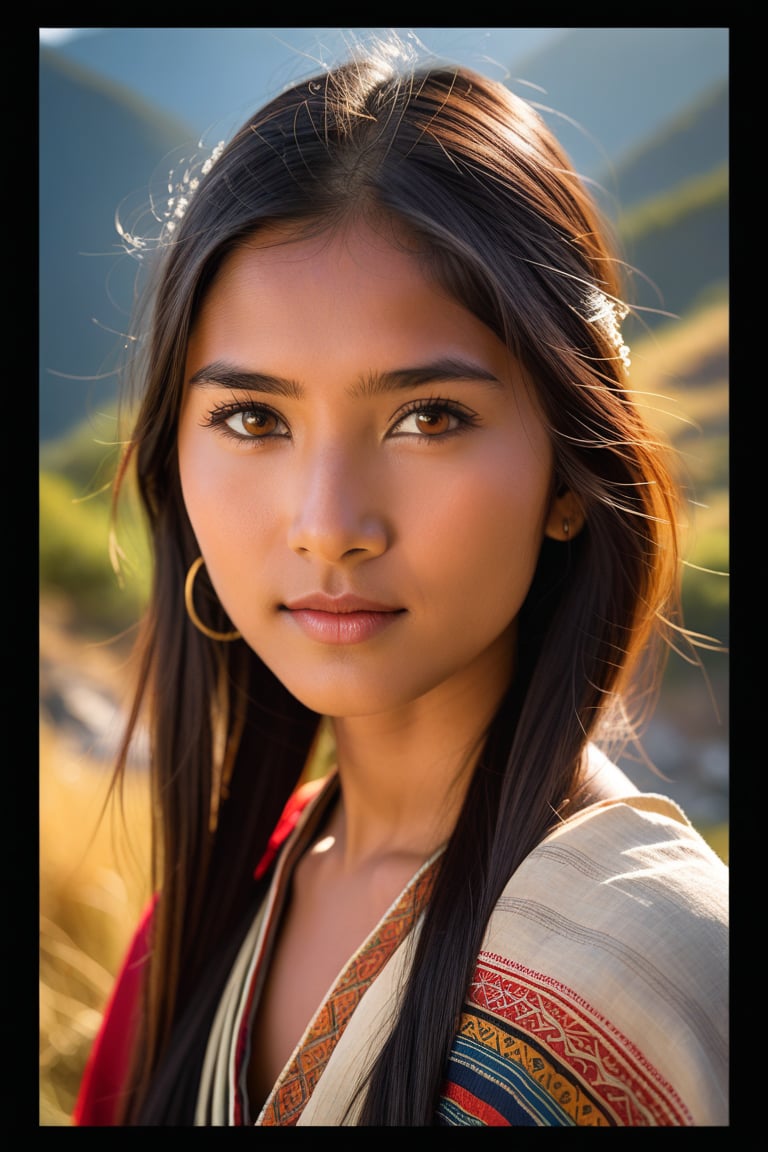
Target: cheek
{"x":491,"y":518}
{"x":232,"y":526}
{"x":201,"y":485}
{"x":222,"y":503}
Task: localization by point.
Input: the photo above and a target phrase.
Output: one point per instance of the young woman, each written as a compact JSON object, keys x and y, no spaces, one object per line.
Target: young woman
{"x":399,"y":491}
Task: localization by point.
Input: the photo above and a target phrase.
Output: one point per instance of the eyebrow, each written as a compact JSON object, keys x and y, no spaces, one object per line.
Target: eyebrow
{"x":222,"y":374}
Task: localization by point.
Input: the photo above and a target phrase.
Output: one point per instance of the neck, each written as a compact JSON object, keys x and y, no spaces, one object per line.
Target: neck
{"x":404,"y":775}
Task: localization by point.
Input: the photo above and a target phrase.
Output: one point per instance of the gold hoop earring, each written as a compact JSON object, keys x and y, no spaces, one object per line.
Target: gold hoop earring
{"x":190,"y":606}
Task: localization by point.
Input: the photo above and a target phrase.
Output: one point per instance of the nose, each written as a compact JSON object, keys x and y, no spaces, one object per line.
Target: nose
{"x":334,"y":516}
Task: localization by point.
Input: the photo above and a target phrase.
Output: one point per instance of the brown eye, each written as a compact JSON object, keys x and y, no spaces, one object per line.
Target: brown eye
{"x":259,"y":423}
{"x":433,"y":422}
{"x":255,"y":423}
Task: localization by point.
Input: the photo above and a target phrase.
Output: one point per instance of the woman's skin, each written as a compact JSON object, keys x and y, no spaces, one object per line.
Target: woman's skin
{"x":350,"y":431}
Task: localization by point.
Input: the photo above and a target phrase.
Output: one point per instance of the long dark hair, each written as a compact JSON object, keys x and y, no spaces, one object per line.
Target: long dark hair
{"x":505,"y":225}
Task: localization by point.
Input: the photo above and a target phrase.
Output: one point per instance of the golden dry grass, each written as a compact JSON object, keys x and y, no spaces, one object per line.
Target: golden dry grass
{"x":93,"y":883}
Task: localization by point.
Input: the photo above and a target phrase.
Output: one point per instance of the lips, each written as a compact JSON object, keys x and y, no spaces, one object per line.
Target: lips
{"x":321,"y":602}
{"x":343,"y":619}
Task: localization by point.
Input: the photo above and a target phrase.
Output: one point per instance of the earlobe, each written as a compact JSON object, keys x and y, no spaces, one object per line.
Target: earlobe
{"x":566,"y":517}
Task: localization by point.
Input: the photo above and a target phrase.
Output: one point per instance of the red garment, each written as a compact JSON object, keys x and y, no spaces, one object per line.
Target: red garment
{"x":107,"y":1065}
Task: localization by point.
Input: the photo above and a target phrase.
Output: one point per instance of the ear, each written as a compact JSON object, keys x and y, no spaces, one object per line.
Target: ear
{"x":566,"y":516}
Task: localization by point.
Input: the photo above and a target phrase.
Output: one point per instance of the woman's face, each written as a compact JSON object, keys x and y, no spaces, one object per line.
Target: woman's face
{"x":367,"y":475}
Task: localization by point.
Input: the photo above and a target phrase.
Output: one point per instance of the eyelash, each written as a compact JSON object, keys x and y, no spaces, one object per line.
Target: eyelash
{"x":466,"y":419}
{"x":218,"y":417}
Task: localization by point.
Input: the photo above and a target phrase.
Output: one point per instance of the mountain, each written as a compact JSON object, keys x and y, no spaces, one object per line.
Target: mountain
{"x":98,"y":145}
{"x":610,"y":89}
{"x":696,"y":139}
{"x":673,"y":210}
{"x":105,"y":145}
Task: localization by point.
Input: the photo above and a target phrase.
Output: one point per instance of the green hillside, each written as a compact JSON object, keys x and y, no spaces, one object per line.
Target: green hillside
{"x":679,"y":243}
{"x":696,"y":140}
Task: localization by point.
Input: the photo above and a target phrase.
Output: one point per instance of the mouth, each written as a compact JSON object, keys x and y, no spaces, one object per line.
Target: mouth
{"x":340,"y":605}
{"x":341,"y":619}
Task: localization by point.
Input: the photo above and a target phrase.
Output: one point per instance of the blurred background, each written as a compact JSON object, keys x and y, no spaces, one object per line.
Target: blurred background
{"x":643,"y":113}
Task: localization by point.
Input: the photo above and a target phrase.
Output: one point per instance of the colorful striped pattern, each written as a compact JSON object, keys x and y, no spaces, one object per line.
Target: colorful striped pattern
{"x":530,"y":1052}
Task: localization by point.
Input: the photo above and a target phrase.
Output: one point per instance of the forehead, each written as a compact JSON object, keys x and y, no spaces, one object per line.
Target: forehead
{"x":353,"y":251}
{"x":365,"y":285}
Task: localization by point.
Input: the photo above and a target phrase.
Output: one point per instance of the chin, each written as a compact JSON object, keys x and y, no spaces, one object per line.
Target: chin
{"x":337,"y":697}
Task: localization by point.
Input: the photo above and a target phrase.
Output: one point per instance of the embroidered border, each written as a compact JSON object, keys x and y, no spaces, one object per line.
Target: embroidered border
{"x":309,"y":1062}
